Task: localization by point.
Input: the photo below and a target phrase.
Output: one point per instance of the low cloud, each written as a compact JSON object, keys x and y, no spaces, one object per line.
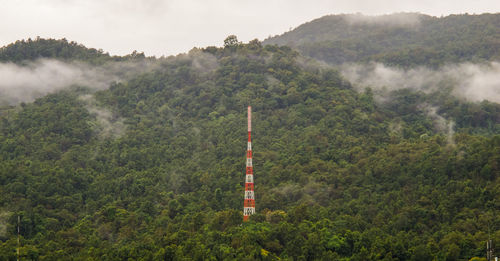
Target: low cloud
{"x":108,"y":124}
{"x":440,"y":123}
{"x":473,"y":82}
{"x":397,"y":19}
{"x":34,"y":79}
{"x":201,"y":61}
{"x":25,"y":83}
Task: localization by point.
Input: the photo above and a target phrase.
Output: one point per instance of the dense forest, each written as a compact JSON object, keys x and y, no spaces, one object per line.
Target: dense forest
{"x":404,"y":39}
{"x":27,"y":50}
{"x":152,"y":168}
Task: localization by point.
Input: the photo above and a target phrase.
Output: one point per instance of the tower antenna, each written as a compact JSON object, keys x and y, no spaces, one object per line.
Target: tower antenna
{"x":249,"y":202}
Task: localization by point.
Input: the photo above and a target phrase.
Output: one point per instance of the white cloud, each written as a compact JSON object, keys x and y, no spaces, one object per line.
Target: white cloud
{"x":38,"y":78}
{"x":399,"y":19}
{"x":474,"y":82}
{"x":24,"y":83}
{"x":109,"y":125}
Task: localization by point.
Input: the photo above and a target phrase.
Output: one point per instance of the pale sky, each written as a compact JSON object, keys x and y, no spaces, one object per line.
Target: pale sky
{"x":169,"y":27}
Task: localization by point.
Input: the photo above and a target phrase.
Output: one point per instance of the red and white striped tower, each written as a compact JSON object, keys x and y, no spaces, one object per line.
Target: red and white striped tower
{"x":249,"y":202}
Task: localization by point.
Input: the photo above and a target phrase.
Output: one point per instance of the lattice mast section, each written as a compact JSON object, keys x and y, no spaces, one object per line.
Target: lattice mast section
{"x":249,"y":202}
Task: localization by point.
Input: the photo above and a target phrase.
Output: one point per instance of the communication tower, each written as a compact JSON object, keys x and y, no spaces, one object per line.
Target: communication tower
{"x":249,"y":201}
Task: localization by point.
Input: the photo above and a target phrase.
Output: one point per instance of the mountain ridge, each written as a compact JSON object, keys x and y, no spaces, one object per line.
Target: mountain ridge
{"x":404,"y":39}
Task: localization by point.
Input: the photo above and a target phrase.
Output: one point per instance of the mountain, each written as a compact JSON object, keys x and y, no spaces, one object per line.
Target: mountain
{"x":152,"y":167}
{"x":404,"y":39}
{"x":25,"y":50}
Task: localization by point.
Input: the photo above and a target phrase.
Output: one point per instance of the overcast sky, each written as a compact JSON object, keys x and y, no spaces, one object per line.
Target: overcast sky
{"x":166,"y":27}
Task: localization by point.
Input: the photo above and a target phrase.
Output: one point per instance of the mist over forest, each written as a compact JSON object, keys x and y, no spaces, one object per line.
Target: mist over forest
{"x":374,"y":138}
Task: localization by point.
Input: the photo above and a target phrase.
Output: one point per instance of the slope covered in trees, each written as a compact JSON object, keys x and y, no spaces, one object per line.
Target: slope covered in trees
{"x":23,"y":50}
{"x":405,"y":39}
{"x":339,"y":176}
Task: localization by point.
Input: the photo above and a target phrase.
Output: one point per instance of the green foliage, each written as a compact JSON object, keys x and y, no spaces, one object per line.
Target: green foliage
{"x":405,"y":40}
{"x":23,"y":50}
{"x":334,"y":180}
{"x":231,"y":41}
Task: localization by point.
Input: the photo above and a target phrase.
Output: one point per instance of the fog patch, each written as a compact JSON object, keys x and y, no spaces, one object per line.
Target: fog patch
{"x":450,"y":132}
{"x":107,"y":125}
{"x":34,"y":79}
{"x":479,"y":82}
{"x":291,"y":192}
{"x":440,"y":123}
{"x":4,"y":216}
{"x":199,"y":60}
{"x":397,"y":19}
{"x":202,"y":61}
{"x":271,"y":80}
{"x":312,"y":65}
{"x":473,"y":82}
{"x":396,"y":128}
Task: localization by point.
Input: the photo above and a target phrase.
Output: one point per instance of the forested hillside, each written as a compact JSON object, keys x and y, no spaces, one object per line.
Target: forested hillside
{"x":152,"y":168}
{"x":25,"y":50}
{"x":405,"y":39}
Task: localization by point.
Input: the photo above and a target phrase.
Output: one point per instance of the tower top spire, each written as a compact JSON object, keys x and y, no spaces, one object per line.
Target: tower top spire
{"x":249,"y":118}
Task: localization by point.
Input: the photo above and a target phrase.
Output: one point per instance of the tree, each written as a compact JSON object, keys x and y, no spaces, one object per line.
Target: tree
{"x":231,"y":41}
